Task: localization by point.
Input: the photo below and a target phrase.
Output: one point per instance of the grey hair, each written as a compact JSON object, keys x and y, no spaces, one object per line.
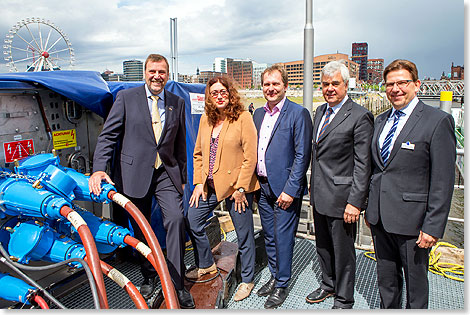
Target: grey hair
{"x":332,"y":67}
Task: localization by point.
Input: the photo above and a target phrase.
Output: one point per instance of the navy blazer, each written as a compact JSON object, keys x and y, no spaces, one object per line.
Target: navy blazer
{"x":289,"y":149}
{"x":129,"y":122}
{"x":413,"y":191}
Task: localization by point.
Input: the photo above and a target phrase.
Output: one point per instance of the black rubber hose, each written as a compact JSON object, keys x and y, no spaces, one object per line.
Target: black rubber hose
{"x":87,"y":269}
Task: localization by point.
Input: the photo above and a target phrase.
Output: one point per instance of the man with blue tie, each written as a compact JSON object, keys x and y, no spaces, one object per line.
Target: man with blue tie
{"x":339,"y":183}
{"x":284,"y":149}
{"x":413,"y":172}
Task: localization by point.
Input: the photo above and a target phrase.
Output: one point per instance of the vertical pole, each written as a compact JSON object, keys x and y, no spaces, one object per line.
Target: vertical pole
{"x":172,"y":66}
{"x":308,"y":57}
{"x":446,"y":101}
{"x":173,"y":50}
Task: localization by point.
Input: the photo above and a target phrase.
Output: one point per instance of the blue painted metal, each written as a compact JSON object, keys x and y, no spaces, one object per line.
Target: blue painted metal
{"x":35,"y":164}
{"x":30,"y":240}
{"x":63,"y":248}
{"x":107,"y":235}
{"x":17,"y":196}
{"x":13,"y":289}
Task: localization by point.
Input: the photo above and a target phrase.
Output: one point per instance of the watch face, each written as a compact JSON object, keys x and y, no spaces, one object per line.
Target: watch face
{"x":241,"y":190}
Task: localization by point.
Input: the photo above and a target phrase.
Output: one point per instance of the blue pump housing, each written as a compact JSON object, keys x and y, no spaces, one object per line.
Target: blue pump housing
{"x":13,"y":289}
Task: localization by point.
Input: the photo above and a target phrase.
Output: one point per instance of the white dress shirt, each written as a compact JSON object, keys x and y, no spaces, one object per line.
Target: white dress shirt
{"x":160,"y":104}
{"x":407,"y":110}
{"x":267,"y":126}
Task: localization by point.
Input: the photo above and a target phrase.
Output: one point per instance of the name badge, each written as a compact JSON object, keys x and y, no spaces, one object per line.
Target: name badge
{"x":408,"y":146}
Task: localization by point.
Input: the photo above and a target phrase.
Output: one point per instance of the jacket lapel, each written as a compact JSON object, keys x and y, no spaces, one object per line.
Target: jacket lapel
{"x":320,"y":111}
{"x":410,"y":123}
{"x":143,"y":108}
{"x":222,"y":133}
{"x":169,"y":115}
{"x":344,"y":112}
{"x":279,"y":119}
{"x":379,"y":126}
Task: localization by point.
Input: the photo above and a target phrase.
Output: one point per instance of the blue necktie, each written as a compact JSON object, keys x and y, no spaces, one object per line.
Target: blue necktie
{"x":385,"y":152}
{"x":326,"y":122}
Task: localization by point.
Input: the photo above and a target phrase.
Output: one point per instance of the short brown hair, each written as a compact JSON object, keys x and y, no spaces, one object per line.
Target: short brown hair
{"x":234,"y":107}
{"x":276,"y":67}
{"x":400,"y":64}
{"x":156,"y":58}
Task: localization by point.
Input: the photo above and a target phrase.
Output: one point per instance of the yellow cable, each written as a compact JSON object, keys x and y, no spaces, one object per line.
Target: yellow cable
{"x":443,"y":269}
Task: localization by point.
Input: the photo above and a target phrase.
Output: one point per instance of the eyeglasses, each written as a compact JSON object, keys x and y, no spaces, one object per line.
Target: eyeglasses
{"x":215,"y":93}
{"x":401,"y":84}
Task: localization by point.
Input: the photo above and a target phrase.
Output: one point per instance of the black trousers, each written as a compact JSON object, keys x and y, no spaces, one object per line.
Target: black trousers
{"x":397,"y":254}
{"x":337,"y":256}
{"x":171,"y":204}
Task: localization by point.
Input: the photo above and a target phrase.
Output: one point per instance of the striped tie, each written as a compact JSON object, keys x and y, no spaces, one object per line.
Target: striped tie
{"x":156,"y":125}
{"x":326,"y":122}
{"x":385,"y":152}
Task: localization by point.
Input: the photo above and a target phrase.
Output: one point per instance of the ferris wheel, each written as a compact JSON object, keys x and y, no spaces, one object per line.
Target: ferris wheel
{"x":35,"y":44}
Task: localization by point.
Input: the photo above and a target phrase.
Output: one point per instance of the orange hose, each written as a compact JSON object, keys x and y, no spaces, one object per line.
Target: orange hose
{"x":130,"y":288}
{"x":162,"y":270}
{"x":41,"y":302}
{"x":91,"y":252}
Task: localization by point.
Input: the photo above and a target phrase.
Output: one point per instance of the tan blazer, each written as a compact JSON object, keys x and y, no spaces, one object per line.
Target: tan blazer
{"x":236,"y":157}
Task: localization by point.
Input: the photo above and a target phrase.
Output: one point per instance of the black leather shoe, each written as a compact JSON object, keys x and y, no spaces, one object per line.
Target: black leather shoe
{"x":276,"y":298}
{"x":318,"y":295}
{"x":147,"y":288}
{"x":267,"y":288}
{"x":185,"y":298}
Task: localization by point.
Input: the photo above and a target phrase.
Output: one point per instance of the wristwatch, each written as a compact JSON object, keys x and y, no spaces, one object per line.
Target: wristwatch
{"x":242,"y":190}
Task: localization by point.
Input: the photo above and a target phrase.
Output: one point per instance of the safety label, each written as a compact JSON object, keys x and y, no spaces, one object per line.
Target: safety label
{"x":197,"y":103}
{"x":64,"y":139}
{"x":17,"y":150}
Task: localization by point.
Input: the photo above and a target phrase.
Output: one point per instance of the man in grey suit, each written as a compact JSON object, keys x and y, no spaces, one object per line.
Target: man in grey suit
{"x":341,"y":165}
{"x":413,"y":156}
{"x":149,"y":124}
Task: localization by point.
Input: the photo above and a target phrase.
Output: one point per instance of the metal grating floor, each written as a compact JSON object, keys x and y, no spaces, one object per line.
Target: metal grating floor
{"x":444,"y":293}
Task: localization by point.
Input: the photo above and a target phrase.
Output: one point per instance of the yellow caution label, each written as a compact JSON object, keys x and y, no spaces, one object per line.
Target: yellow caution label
{"x":446,"y":96}
{"x":64,"y":139}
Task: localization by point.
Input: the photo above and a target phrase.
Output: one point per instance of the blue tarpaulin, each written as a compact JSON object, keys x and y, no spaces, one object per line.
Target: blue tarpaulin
{"x":88,"y":89}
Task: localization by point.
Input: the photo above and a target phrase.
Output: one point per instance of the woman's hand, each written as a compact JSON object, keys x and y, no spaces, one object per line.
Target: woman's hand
{"x":240,"y":201}
{"x":198,"y":192}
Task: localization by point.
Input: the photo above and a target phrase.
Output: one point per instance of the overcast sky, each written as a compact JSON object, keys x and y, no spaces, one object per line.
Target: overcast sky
{"x":104,"y":33}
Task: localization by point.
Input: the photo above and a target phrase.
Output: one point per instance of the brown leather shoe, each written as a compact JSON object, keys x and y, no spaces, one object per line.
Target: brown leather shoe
{"x":243,"y":291}
{"x":199,"y":272}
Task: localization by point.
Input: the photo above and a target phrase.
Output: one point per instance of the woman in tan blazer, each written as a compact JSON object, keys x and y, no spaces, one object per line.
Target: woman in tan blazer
{"x":225,"y":157}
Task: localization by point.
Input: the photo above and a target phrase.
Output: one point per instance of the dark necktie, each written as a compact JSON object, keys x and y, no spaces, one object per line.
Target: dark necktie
{"x":385,"y":152}
{"x":326,"y":122}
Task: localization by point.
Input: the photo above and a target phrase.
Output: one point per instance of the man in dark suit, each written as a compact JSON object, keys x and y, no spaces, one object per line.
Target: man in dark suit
{"x":284,"y":149}
{"x":413,"y":156}
{"x":149,"y":123}
{"x":341,"y":166}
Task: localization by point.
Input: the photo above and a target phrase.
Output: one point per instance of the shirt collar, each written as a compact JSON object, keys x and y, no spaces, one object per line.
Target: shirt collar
{"x":337,"y":107}
{"x":408,"y":109}
{"x":161,"y":95}
{"x":276,"y":108}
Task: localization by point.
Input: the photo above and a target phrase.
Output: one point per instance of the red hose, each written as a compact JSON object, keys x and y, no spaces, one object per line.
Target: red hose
{"x":162,"y":270}
{"x":133,"y":242}
{"x":130,"y":288}
{"x":91,"y":252}
{"x":41,"y":302}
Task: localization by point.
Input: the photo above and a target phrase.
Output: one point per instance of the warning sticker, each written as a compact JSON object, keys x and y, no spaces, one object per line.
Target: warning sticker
{"x":197,"y":103}
{"x":64,"y":139}
{"x":17,"y":150}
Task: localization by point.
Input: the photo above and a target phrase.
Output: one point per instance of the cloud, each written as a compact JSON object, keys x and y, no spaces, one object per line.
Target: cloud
{"x":104,"y":33}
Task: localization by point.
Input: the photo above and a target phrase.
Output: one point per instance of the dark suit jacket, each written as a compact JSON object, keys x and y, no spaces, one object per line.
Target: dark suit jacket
{"x":341,"y":160}
{"x":289,"y":149}
{"x":414,"y":190}
{"x":129,"y":121}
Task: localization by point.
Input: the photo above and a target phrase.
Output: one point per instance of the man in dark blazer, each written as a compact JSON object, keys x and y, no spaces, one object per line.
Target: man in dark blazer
{"x":138,"y":174}
{"x":413,"y":156}
{"x":339,"y":183}
{"x":284,"y":150}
